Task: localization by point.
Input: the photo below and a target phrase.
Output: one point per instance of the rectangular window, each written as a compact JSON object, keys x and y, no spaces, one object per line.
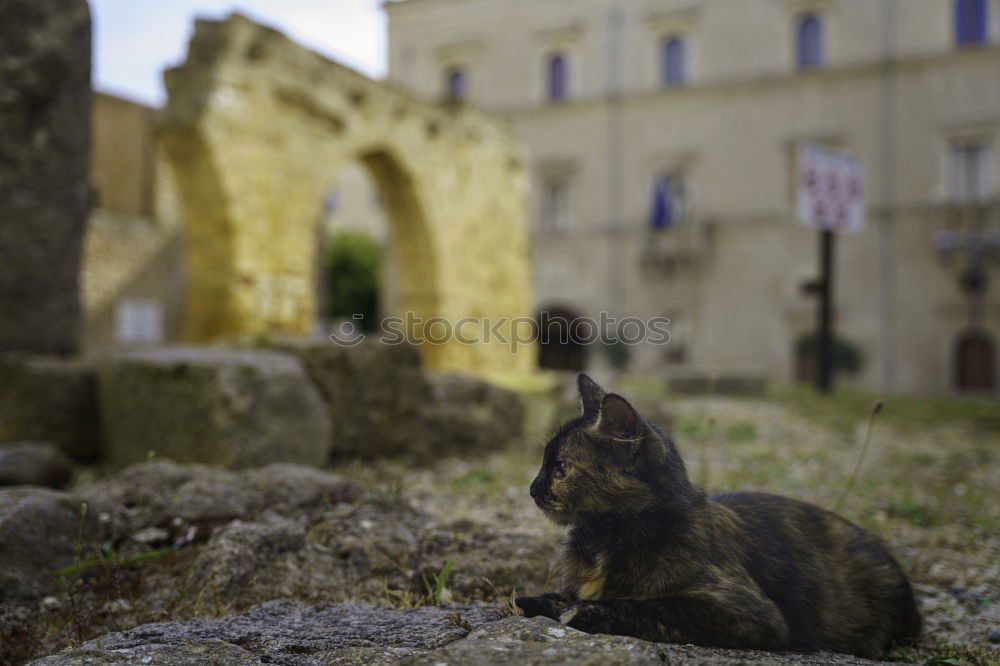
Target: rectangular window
{"x":557,"y":77}
{"x":455,"y":83}
{"x":139,"y":321}
{"x":970,"y":171}
{"x":809,"y":46}
{"x":555,"y":205}
{"x":673,"y":62}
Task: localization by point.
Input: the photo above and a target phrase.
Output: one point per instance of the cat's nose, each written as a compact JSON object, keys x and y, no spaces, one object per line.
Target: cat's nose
{"x":536,"y":489}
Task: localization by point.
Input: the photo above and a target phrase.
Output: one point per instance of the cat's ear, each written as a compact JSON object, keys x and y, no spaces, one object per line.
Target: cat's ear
{"x":618,"y":420}
{"x":591,"y":394}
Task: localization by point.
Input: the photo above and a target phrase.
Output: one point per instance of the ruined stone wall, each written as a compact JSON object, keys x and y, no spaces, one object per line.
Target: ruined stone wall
{"x":123,"y":168}
{"x":255,"y":128}
{"x":129,"y":260}
{"x":44,"y":160}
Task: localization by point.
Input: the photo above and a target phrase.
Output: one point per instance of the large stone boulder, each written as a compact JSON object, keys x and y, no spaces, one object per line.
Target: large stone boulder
{"x":347,"y":550}
{"x":196,"y":499}
{"x":376,"y":395}
{"x":44,"y":166}
{"x":469,"y":414}
{"x":282,"y":632}
{"x":234,"y":408}
{"x":51,"y":400}
{"x":517,"y":640}
{"x":39,"y":532}
{"x":33,"y":464}
{"x":382,"y":403}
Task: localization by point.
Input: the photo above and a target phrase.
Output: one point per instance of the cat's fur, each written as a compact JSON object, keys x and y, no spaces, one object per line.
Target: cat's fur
{"x":650,"y":555}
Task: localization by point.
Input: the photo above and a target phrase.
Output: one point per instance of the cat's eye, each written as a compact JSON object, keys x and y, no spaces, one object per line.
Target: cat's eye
{"x":560,"y":470}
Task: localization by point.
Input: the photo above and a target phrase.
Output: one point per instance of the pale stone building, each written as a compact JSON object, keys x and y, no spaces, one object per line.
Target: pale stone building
{"x":132,"y":273}
{"x":663,"y":136}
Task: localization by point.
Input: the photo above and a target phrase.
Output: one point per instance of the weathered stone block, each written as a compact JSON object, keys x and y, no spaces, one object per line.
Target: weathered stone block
{"x":383,"y":404}
{"x":44,"y":165}
{"x":472,"y":415}
{"x":50,"y":400}
{"x":376,"y":394}
{"x":164,"y":493}
{"x":227,"y":407}
{"x":285,"y":632}
{"x":38,"y":531}
{"x":33,"y":464}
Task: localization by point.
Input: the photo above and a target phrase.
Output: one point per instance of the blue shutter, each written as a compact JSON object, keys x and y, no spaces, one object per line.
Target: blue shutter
{"x":661,"y":213}
{"x":456,"y":84}
{"x":557,"y":85}
{"x":970,"y":22}
{"x":809,"y":42}
{"x":672,"y":64}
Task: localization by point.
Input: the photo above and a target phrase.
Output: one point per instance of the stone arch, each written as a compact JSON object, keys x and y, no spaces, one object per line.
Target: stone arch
{"x":562,"y":339}
{"x":255,"y":125}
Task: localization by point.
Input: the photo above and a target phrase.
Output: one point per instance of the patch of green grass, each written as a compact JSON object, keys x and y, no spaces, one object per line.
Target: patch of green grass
{"x":912,"y":512}
{"x":956,"y":653}
{"x":741,"y":432}
{"x":922,"y":459}
{"x":436,"y":587}
{"x":481,"y":476}
{"x":509,"y":607}
{"x":109,"y":559}
{"x":689,"y":428}
{"x":845,"y":408}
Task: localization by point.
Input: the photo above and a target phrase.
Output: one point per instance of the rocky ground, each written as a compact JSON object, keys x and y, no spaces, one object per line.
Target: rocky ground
{"x":378,"y":562}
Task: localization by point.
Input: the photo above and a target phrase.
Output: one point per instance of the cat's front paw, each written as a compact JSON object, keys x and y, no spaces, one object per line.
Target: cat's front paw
{"x":534,"y":606}
{"x":588,"y":616}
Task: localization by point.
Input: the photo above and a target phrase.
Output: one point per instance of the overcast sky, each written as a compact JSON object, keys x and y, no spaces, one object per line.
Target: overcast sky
{"x":135,"y":40}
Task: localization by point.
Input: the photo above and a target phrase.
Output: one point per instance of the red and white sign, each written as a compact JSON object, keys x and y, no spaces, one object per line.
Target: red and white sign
{"x":831,"y":189}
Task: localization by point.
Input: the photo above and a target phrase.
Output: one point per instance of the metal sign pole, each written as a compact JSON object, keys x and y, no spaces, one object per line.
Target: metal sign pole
{"x":824,"y":350}
{"x":831,"y":198}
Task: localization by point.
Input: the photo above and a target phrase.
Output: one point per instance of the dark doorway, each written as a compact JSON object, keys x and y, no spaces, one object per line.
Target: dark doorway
{"x":975,"y":362}
{"x":562,"y":338}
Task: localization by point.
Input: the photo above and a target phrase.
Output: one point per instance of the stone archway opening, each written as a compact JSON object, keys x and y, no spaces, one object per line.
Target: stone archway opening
{"x":371,"y":222}
{"x":562,"y":339}
{"x":352,"y":247}
{"x":396,"y":226}
{"x":975,"y":361}
{"x":254,"y":127}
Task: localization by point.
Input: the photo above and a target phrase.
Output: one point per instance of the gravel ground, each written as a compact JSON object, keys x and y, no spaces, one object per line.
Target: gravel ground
{"x":928,"y":485}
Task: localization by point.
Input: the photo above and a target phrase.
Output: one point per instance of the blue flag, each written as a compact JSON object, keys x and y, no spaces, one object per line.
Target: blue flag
{"x":661,"y":215}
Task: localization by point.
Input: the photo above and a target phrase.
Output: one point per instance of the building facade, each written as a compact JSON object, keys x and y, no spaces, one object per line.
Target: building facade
{"x":132,"y":273}
{"x":663,"y":137}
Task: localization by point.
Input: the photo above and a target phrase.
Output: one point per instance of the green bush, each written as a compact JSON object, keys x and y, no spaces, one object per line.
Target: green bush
{"x":847,"y":356}
{"x":352,"y":277}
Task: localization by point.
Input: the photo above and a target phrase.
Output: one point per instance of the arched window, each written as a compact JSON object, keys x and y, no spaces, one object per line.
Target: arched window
{"x":809,"y":42}
{"x":970,"y":22}
{"x":673,"y":65}
{"x":562,"y":339}
{"x":557,"y":77}
{"x":455,"y":83}
{"x":975,"y":361}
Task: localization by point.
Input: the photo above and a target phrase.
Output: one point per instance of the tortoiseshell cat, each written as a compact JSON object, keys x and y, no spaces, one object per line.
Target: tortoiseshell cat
{"x":650,"y":555}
